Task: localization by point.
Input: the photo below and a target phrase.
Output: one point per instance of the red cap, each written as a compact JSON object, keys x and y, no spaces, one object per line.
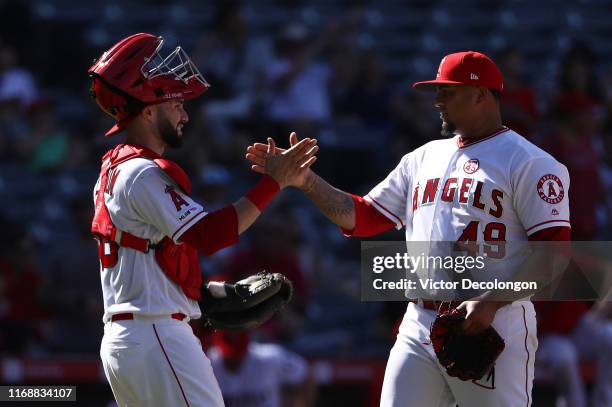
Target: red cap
{"x":467,"y":68}
{"x":232,"y":345}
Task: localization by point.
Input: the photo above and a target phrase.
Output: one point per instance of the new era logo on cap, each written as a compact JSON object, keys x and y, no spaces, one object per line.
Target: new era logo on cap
{"x":468,"y":68}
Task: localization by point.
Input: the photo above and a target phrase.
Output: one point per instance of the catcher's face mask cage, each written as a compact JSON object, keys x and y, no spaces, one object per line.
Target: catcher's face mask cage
{"x":133,"y":74}
{"x":177,"y":65}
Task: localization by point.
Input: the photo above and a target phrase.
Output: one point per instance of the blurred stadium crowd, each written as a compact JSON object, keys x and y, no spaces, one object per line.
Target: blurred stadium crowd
{"x":339,"y":71}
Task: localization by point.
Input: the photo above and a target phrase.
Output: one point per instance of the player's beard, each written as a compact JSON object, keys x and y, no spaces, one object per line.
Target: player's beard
{"x":448,"y":129}
{"x":169,"y":134}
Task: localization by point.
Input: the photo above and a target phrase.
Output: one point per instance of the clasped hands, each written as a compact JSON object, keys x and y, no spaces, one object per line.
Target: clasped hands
{"x":289,"y":167}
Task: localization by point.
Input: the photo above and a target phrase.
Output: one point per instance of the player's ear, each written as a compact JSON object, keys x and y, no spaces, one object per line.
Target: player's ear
{"x":149,"y":112}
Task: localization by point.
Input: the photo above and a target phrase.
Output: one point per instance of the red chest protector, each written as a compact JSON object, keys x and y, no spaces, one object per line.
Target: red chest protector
{"x":178,"y":261}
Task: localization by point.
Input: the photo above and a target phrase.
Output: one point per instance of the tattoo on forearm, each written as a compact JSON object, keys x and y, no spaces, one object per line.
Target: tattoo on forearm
{"x":335,"y":204}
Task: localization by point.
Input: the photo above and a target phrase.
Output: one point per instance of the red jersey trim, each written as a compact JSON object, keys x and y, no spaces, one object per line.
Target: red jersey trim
{"x":547,"y":222}
{"x":497,"y":133}
{"x":398,"y":221}
{"x":179,"y":232}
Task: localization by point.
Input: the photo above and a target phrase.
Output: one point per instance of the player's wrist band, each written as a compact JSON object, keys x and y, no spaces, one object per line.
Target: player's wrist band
{"x":263,"y":192}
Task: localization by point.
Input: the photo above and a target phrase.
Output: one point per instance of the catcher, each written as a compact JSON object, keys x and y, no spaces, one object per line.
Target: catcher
{"x":149,"y":232}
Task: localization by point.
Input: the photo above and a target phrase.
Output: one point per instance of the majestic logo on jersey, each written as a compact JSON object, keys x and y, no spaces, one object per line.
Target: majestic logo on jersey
{"x":554,"y":212}
{"x":464,"y":191}
{"x":177,"y":199}
{"x":471,"y":166}
{"x":551,"y":189}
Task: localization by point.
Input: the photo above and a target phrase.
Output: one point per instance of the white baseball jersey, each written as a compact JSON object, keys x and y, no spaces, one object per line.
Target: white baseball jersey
{"x":266,"y":368}
{"x":507,"y":185}
{"x":142,"y":200}
{"x":500,"y":188}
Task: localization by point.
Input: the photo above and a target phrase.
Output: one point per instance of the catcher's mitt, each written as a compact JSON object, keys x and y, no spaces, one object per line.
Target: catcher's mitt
{"x":246,"y":303}
{"x":467,"y":357}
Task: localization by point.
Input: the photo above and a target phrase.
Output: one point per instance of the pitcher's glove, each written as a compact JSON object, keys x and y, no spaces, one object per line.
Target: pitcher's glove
{"x":467,"y":357}
{"x":247,"y":303}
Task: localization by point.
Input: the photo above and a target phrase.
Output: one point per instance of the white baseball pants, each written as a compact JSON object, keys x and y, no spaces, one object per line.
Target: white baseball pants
{"x":414,"y":378}
{"x":157,"y":362}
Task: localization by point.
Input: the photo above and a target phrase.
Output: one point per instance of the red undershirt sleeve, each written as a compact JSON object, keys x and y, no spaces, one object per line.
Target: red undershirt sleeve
{"x":557,"y":233}
{"x":368,"y":221}
{"x":215,"y":231}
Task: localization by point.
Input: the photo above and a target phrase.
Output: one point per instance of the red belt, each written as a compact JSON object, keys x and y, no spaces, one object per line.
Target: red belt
{"x":439,"y":305}
{"x":130,"y":315}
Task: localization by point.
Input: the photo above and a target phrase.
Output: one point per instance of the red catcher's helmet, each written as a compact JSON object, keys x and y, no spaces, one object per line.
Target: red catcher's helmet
{"x":133,"y":74}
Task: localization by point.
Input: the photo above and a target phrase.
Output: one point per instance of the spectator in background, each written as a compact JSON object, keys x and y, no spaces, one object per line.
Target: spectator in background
{"x":44,"y":144}
{"x":368,"y":96}
{"x":606,"y":178}
{"x":556,"y":351}
{"x":73,"y":290}
{"x":234,"y":61}
{"x":21,"y":312}
{"x":410,"y":129}
{"x":573,"y":143}
{"x":298,"y":84}
{"x":16,"y":84}
{"x":213,"y":186}
{"x":518,"y":102}
{"x":607,"y":88}
{"x":577,"y":76}
{"x":259,"y":375}
{"x":344,"y":60}
{"x":348,"y":51}
{"x":570,"y":333}
{"x":576,"y":140}
{"x":230,"y":54}
{"x":17,"y":92}
{"x":16,"y":19}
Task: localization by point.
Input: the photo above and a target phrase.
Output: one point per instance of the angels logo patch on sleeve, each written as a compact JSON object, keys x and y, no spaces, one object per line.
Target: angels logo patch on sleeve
{"x":541,"y":188}
{"x":156,"y":202}
{"x":550,"y":189}
{"x":177,"y":199}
